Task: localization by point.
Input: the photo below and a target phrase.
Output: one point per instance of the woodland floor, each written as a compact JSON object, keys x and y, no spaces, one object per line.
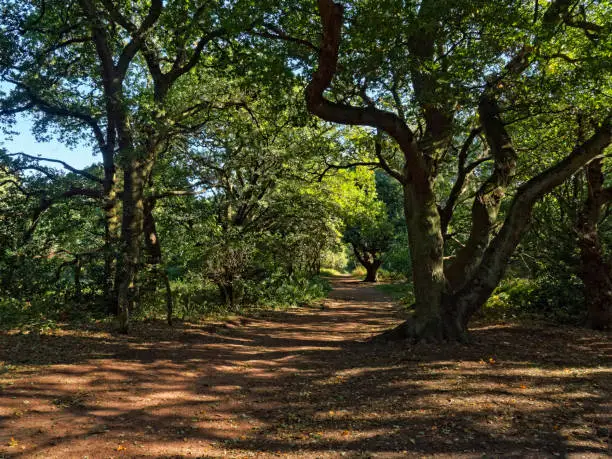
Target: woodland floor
{"x":302,"y":383}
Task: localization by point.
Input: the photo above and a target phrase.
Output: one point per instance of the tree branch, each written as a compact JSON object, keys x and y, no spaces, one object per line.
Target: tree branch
{"x":65,"y":165}
{"x":495,"y":259}
{"x":385,"y":165}
{"x":332,"y":18}
{"x":488,"y":199}
{"x":446,"y":213}
{"x":138,"y":34}
{"x":346,"y":166}
{"x":54,"y":110}
{"x":279,"y":34}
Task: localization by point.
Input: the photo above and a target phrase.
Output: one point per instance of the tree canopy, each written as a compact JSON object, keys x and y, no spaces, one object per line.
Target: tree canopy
{"x":243,"y":144}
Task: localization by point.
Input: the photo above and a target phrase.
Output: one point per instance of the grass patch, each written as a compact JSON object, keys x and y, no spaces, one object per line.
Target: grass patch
{"x":401,"y":292}
{"x":331,"y":272}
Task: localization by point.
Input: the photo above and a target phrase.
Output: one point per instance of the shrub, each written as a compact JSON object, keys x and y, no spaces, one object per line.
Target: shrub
{"x":545,"y":297}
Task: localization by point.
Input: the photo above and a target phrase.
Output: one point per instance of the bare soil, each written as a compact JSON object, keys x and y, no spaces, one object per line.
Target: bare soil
{"x":303,"y":383}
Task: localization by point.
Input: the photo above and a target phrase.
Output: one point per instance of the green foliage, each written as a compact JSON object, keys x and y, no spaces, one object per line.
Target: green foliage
{"x":545,"y":297}
{"x":279,"y":291}
{"x":397,"y":259}
{"x":400,"y":292}
{"x":367,"y":226}
{"x":331,"y":272}
{"x":43,"y":313}
{"x":240,"y":208}
{"x":334,"y":261}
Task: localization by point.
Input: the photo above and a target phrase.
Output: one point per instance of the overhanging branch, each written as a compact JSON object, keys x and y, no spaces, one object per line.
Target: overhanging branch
{"x":67,"y":166}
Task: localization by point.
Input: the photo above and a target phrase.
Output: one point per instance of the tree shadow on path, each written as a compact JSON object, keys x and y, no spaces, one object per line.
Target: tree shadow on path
{"x":302,"y":383}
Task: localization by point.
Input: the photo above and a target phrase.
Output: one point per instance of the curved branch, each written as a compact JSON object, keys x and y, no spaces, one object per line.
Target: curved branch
{"x":494,"y":262}
{"x":385,"y":165}
{"x":55,"y":110}
{"x":46,"y":203}
{"x":446,"y":213}
{"x":332,"y":18}
{"x":329,"y":167}
{"x":488,"y":199}
{"x":277,"y":33}
{"x":67,"y":166}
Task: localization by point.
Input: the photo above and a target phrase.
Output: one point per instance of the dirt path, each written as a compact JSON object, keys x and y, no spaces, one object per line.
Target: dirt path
{"x":301,"y":384}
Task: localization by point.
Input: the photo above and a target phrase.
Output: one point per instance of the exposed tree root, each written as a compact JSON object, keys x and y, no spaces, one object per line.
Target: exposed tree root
{"x":413,"y":330}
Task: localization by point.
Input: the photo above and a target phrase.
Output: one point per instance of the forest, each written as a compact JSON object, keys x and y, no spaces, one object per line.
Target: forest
{"x":305,"y":228}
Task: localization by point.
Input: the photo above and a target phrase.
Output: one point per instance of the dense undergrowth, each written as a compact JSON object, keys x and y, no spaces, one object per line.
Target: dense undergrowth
{"x":544,"y":298}
{"x":193,"y":300}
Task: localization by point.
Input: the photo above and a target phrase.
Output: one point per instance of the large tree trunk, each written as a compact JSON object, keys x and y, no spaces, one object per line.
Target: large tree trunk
{"x":131,"y":230}
{"x":595,"y":271}
{"x":372,"y":271}
{"x":111,"y":231}
{"x":427,"y":255}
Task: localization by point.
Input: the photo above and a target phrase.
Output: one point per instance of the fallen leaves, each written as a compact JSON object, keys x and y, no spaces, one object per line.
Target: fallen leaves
{"x":334,"y":400}
{"x":488,"y":361}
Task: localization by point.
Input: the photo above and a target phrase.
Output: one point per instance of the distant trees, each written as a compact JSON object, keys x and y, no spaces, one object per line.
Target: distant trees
{"x":367,"y":228}
{"x":106,"y":72}
{"x":252,"y":160}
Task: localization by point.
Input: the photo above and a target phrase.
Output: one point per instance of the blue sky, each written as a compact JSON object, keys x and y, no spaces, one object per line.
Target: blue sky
{"x":79,"y":157}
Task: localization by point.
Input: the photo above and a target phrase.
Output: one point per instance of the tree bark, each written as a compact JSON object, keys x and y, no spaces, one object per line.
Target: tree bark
{"x":131,"y":229}
{"x":154,"y":255}
{"x":372,"y":271}
{"x":427,"y":254}
{"x":595,"y":271}
{"x":111,"y":230}
{"x":77,"y":279}
{"x":489,"y":197}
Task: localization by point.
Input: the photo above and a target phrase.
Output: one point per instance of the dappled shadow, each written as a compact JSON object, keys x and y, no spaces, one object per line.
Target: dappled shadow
{"x":303,"y":383}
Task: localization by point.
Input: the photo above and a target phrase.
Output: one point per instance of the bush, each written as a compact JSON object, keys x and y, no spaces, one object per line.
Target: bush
{"x":544,"y":297}
{"x":330,"y":272}
{"x":391,"y":276}
{"x":193,"y":296}
{"x":40,"y":314}
{"x":281,"y":291}
{"x":397,"y":259}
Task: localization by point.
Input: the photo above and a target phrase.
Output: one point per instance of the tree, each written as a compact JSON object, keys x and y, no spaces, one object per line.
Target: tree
{"x":443,"y":71}
{"x":250,"y":159}
{"x":595,"y":270}
{"x":49,"y":227}
{"x":110,"y":68}
{"x":366,"y":224}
